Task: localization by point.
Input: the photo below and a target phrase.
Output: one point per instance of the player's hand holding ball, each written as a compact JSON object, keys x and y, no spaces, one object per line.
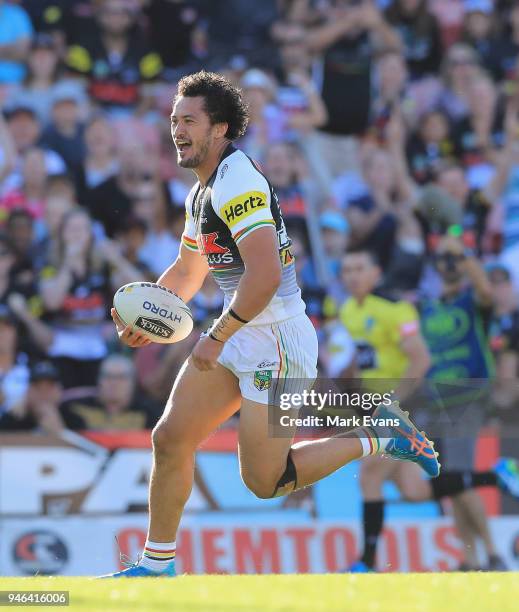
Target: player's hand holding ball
{"x":147,"y":312}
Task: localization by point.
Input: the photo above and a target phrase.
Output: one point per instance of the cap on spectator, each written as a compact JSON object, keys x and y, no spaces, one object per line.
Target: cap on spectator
{"x":478,"y":6}
{"x":256,"y":78}
{"x":7,"y":316}
{"x":334,"y":220}
{"x":67,"y":91}
{"x":19,"y":108}
{"x":44,"y":370}
{"x":43,"y":41}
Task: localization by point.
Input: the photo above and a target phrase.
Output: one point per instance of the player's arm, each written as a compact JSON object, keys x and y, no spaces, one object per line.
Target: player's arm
{"x":414,"y":348}
{"x":186,"y":274}
{"x":257,"y":286}
{"x":479,"y":281}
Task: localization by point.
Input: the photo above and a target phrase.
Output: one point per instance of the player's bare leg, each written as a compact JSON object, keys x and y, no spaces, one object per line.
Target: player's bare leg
{"x":198,"y":404}
{"x":466,"y":534}
{"x":263,"y":458}
{"x":275,"y":466}
{"x":471,"y":516}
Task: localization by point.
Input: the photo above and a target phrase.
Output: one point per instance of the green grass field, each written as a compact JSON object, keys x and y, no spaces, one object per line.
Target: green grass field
{"x":348,"y":593}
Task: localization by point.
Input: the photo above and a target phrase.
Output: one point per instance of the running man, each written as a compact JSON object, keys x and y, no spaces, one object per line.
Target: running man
{"x":235,"y":230}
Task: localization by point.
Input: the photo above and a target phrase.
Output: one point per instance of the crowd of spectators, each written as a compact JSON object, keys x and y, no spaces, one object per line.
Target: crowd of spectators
{"x":383,"y":125}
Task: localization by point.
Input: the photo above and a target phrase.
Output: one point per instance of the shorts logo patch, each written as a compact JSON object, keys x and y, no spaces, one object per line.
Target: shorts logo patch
{"x":262,"y":379}
{"x":243,"y":206}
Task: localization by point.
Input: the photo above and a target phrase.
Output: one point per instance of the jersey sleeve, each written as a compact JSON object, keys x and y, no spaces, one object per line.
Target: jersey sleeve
{"x":189,"y":233}
{"x":243,"y":203}
{"x":407,"y":322}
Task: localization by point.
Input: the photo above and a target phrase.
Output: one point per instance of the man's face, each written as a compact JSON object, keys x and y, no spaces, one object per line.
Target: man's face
{"x":360,"y":274}
{"x":24,"y":129}
{"x":191,"y":131}
{"x":20,"y":230}
{"x":454,"y":183}
{"x":115,"y":17}
{"x":47,"y":390}
{"x":116,"y":383}
{"x":449,"y":259}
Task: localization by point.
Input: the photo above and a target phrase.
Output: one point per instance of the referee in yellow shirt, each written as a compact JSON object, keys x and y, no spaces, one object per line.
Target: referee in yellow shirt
{"x":392,"y":354}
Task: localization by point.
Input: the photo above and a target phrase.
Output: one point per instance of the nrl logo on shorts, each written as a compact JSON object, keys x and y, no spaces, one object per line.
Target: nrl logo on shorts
{"x":155,"y":326}
{"x":262,"y":379}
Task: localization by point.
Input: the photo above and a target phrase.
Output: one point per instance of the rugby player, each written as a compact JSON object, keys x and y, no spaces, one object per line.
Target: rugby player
{"x":235,"y":230}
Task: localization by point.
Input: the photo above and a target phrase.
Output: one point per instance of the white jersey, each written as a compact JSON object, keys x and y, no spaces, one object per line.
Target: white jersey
{"x":236,"y":201}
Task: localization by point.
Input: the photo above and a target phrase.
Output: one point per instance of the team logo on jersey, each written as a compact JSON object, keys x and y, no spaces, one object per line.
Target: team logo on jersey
{"x":208,"y":245}
{"x":262,"y":379}
{"x":243,"y":206}
{"x":286,"y":257}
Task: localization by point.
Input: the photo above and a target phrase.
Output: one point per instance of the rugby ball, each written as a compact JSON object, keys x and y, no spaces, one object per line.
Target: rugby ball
{"x":155,"y":311}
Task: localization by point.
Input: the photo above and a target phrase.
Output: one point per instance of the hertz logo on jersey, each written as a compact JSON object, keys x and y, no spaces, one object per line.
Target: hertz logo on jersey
{"x":243,"y":206}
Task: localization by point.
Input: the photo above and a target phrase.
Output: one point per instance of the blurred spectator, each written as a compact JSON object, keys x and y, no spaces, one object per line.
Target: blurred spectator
{"x":175,"y":27}
{"x":296,"y":94}
{"x":282,"y":170}
{"x":508,"y":48}
{"x":60,"y":198}
{"x":347,"y":40}
{"x":420,"y":34}
{"x":250,"y":23}
{"x":150,"y":205}
{"x":110,"y":200}
{"x":15,"y":39}
{"x":25,"y":131}
{"x":460,"y":352}
{"x":116,"y":404}
{"x":460,"y":69}
{"x":480,"y":133}
{"x":429,"y":146}
{"x":131,"y":238}
{"x":504,"y":336}
{"x":30,"y":195}
{"x":116,"y":59}
{"x":76,"y":291}
{"x":42,"y":73}
{"x":267,"y":121}
{"x":100,"y":161}
{"x":28,"y":255}
{"x":391,"y":89}
{"x":65,"y":134}
{"x":335,"y":232}
{"x":479,"y":32}
{"x":14,"y":369}
{"x":372,"y":217}
{"x":42,"y":410}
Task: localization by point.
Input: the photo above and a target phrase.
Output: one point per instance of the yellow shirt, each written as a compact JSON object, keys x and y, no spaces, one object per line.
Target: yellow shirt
{"x":378,"y":326}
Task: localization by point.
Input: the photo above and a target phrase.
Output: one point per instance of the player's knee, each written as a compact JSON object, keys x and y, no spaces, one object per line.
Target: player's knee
{"x":274,"y":483}
{"x":167,"y":445}
{"x":261,"y":485}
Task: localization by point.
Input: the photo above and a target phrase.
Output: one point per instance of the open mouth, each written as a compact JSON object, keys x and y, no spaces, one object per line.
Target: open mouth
{"x":182,"y":146}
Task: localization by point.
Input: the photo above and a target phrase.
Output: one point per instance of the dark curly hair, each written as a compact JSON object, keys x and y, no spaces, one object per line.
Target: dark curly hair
{"x":223,"y":101}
